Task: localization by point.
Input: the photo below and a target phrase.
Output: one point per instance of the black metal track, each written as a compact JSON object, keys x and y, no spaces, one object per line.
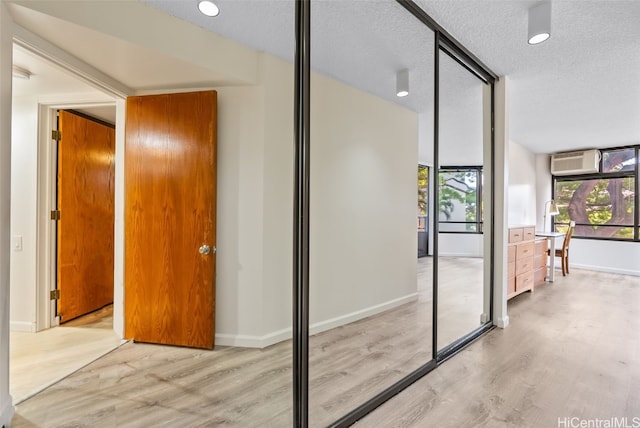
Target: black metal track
{"x":451,"y":45}
{"x":360,"y":412}
{"x":436,"y":195}
{"x":301,"y":217}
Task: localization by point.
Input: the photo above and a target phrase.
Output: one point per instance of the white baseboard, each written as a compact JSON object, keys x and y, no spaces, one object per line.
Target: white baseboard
{"x":321,"y":326}
{"x":472,"y":255}
{"x":502,"y":322}
{"x":6,"y":413}
{"x":606,"y":269}
{"x":29,"y":327}
{"x":245,"y":341}
{"x":315,"y":328}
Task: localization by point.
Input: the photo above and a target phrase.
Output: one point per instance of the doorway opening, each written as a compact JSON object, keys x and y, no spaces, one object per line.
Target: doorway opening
{"x":41,"y":355}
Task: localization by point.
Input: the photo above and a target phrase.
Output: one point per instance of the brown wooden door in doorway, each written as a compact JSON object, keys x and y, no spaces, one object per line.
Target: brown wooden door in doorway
{"x":85,"y":200}
{"x":170,"y":207}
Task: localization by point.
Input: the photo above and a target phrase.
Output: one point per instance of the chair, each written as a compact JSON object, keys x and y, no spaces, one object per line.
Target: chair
{"x":564,"y":252}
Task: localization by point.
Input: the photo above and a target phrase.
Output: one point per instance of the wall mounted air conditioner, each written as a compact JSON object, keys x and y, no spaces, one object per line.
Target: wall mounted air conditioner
{"x":571,"y":163}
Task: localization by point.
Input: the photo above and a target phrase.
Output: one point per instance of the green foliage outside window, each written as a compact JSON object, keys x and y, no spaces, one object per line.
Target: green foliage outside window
{"x":458,"y":198}
{"x":423,"y":186}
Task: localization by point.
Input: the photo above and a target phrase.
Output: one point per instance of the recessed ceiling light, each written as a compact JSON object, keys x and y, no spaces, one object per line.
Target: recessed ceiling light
{"x":21,"y":73}
{"x":208,"y":8}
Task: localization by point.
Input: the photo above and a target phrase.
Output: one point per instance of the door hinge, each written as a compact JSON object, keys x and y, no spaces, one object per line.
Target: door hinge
{"x":56,"y":135}
{"x":54,"y":295}
{"x":55,"y":214}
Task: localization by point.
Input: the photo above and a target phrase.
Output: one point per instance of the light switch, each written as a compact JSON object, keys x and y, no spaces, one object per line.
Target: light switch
{"x":17,"y":243}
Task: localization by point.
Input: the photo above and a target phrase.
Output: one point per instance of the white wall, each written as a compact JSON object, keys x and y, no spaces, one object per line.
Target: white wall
{"x":363,"y":150}
{"x":501,"y":200}
{"x":543,"y":189}
{"x":364,"y":156}
{"x":24,"y":166}
{"x":606,"y":256}
{"x":239,"y":266}
{"x":277,"y":247}
{"x":6,"y":62}
{"x":522,"y":185}
{"x":461,"y":244}
{"x":425,"y":138}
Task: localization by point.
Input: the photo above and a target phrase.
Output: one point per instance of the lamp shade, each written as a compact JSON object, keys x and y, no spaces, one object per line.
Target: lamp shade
{"x":553,"y":208}
{"x":402,"y":83}
{"x":539,"y":23}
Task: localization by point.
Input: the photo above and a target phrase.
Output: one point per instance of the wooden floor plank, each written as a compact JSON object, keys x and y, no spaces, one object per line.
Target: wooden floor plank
{"x":572,"y":349}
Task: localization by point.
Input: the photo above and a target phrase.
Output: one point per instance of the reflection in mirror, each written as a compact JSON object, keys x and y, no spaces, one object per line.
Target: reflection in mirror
{"x":370,"y":317}
{"x":463,"y":157}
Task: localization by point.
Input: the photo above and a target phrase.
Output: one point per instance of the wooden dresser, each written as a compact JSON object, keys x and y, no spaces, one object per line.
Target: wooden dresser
{"x":526,"y":260}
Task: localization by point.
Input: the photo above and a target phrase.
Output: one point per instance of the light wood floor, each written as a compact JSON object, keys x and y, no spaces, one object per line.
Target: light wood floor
{"x":38,"y":360}
{"x":572,"y":350}
{"x":568,"y":343}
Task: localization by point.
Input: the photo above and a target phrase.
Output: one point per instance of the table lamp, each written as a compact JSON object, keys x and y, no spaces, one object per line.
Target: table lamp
{"x":551,"y":209}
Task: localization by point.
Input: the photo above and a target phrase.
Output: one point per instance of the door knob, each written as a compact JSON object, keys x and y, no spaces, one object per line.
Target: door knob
{"x":204,"y":249}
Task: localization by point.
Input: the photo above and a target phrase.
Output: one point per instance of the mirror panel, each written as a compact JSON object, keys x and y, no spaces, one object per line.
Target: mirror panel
{"x":370,"y":301}
{"x":463,"y":158}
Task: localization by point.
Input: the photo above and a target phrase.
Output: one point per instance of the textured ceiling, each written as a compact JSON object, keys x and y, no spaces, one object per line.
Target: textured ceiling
{"x":579,"y":89}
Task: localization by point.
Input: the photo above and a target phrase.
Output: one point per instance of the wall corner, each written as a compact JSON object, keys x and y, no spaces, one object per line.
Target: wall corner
{"x":501,"y":202}
{"x":6,"y":63}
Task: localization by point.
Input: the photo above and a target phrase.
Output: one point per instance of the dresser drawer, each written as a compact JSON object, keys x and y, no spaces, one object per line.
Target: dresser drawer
{"x":524,"y":265}
{"x":524,"y":281}
{"x":528,"y":233}
{"x":539,"y":275}
{"x":539,"y":261}
{"x":541,"y":246}
{"x":511,"y":269}
{"x":525,"y":250}
{"x":515,"y":234}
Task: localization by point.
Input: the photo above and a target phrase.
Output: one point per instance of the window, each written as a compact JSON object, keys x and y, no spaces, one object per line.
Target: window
{"x":423,"y":196}
{"x":604,"y":205}
{"x":460,"y":199}
{"x":423,"y":211}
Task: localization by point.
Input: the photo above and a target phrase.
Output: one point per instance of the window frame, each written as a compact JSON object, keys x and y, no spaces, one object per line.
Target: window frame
{"x":479,"y":223}
{"x":634,"y":173}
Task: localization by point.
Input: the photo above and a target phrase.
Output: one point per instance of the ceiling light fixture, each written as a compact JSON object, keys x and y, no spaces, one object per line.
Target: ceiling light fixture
{"x":21,"y":73}
{"x":539,"y":23}
{"x":402,"y":83}
{"x":208,"y":8}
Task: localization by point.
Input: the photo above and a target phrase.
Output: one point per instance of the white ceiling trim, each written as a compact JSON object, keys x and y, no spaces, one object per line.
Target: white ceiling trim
{"x":69,"y":63}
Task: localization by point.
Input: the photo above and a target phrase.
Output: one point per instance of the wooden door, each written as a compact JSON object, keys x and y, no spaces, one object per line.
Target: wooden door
{"x":170,"y":207}
{"x":85,"y":200}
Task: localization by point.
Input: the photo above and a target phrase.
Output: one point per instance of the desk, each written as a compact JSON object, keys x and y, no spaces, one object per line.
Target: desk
{"x":551,"y":238}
